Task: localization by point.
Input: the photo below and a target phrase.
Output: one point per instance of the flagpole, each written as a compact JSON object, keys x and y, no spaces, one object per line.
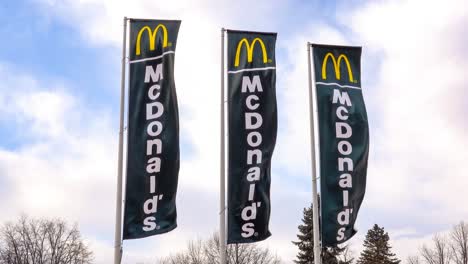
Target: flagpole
{"x":222,"y":187}
{"x":118,"y":210}
{"x":315,"y":212}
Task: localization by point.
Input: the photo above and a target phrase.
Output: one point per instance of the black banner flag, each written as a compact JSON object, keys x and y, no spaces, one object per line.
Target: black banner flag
{"x":252,"y":121}
{"x":153,"y":130}
{"x":344,"y":139}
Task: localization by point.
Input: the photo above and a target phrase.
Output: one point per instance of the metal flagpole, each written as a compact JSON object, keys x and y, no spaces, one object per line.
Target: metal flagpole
{"x":222,"y":202}
{"x":317,"y":247}
{"x":118,"y":210}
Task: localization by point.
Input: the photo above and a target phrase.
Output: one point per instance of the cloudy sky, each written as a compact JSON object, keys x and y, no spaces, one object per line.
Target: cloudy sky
{"x":59,"y":99}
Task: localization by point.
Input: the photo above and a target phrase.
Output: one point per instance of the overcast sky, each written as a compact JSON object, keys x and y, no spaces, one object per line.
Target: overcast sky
{"x":59,"y":99}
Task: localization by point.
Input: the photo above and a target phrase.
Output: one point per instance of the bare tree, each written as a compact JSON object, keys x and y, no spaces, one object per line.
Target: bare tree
{"x":207,"y":252}
{"x":42,"y":241}
{"x":195,"y":252}
{"x":413,"y":260}
{"x":439,"y":254}
{"x":347,"y":256}
{"x":459,"y":243}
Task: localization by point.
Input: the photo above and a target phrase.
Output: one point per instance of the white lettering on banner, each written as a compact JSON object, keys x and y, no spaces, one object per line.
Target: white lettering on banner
{"x":155,"y":74}
{"x":251,"y":84}
{"x":340,"y":236}
{"x":250,"y":105}
{"x":345,"y":164}
{"x":154,"y":148}
{"x":253,"y":121}
{"x":343,"y":97}
{"x":149,"y":223}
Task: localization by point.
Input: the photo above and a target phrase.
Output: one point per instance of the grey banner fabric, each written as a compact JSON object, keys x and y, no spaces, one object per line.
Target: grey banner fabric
{"x":153,"y":130}
{"x":252,"y":122}
{"x":344,"y":139}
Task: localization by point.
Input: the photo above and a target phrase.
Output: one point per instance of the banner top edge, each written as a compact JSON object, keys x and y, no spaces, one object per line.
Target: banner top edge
{"x":334,"y":46}
{"x":254,"y":32}
{"x":150,"y":19}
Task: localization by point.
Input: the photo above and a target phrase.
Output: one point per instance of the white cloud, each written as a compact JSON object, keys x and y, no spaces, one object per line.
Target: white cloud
{"x":198,"y":97}
{"x":419,"y":141}
{"x":63,"y":165}
{"x":413,"y":85}
{"x":414,"y":77}
{"x":100,"y":21}
{"x":416,"y":168}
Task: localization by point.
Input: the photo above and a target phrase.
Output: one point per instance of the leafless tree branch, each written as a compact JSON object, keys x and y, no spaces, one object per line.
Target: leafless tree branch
{"x":43,"y":241}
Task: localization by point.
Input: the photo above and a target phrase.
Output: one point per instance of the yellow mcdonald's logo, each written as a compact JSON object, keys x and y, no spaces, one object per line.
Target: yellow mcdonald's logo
{"x":337,"y":66}
{"x":250,"y":48}
{"x":152,"y":37}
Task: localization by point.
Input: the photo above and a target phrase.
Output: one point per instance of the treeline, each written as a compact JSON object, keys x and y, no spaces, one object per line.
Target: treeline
{"x":31,"y":241}
{"x":377,"y":249}
{"x":451,"y":248}
{"x":207,"y":252}
{"x":42,"y":241}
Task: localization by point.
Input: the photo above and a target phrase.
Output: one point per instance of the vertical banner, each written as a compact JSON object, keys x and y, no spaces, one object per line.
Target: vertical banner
{"x":344,"y":139}
{"x":153,"y":130}
{"x":252,"y":126}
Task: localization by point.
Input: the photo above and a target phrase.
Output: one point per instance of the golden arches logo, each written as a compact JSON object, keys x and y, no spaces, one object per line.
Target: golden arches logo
{"x":152,"y":37}
{"x":250,"y":48}
{"x":337,"y":66}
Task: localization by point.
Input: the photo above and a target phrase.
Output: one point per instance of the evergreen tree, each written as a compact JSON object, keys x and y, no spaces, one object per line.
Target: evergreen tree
{"x":306,"y":244}
{"x":306,"y":239}
{"x":377,"y":248}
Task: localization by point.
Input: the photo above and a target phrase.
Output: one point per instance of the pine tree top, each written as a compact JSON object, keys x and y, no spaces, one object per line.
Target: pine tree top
{"x":305,"y":244}
{"x":377,"y":248}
